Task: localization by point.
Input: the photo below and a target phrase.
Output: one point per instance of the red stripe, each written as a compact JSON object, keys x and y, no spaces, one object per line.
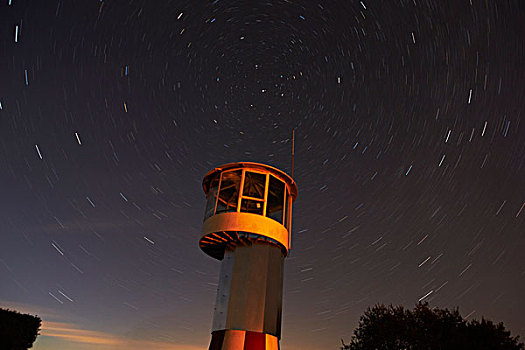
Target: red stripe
{"x":255,"y":341}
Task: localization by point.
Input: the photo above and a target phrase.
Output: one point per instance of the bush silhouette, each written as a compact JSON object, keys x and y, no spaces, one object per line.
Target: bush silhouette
{"x":396,"y":328}
{"x":18,"y":331}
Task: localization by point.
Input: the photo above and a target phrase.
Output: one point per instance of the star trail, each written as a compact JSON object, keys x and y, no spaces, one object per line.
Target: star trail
{"x":409,"y":159}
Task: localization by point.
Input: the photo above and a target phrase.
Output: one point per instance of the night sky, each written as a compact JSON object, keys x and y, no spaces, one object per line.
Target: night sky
{"x":409,"y":159}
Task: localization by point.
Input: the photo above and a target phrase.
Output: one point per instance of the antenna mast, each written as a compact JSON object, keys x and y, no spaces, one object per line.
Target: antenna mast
{"x":293,"y":148}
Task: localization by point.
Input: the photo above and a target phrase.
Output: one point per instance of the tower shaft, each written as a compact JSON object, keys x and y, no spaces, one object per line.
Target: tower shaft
{"x":248,"y":306}
{"x":250,"y":290}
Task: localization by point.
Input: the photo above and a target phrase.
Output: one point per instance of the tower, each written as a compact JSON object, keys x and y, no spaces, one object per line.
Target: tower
{"x":247,"y":225}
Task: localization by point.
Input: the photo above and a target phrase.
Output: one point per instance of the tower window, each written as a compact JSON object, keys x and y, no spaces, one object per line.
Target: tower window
{"x":252,"y":206}
{"x":276,"y":199}
{"x":229,"y":191}
{"x":254,"y":185}
{"x":212,"y":198}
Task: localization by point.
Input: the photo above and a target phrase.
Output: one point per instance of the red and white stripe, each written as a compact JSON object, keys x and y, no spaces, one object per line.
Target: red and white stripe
{"x":243,"y":340}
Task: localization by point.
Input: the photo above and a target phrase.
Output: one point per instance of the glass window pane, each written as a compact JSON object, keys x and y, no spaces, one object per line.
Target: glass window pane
{"x":229,"y":191}
{"x":252,"y":206}
{"x":286,"y":209}
{"x":274,"y":207}
{"x":212,"y":197}
{"x":254,"y":185}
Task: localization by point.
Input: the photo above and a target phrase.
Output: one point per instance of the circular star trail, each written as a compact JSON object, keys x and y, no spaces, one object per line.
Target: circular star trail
{"x":409,"y":158}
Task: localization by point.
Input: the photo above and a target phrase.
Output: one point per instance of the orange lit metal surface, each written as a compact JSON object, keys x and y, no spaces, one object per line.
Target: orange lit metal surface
{"x":272,"y":343}
{"x":244,"y":222}
{"x":234,"y":339}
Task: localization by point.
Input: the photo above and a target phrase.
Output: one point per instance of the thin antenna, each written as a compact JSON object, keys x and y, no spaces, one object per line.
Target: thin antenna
{"x":293,"y":148}
{"x":290,"y":204}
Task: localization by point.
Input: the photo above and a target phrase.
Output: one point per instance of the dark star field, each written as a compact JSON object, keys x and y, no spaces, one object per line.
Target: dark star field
{"x":409,"y":159}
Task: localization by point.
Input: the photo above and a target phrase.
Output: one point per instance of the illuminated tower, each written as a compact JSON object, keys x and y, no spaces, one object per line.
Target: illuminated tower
{"x":247,"y":225}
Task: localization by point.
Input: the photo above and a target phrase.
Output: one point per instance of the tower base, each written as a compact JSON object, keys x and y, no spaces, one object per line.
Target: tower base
{"x":242,"y":340}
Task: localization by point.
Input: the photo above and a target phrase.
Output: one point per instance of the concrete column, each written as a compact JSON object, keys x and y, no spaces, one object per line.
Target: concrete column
{"x":249,"y":298}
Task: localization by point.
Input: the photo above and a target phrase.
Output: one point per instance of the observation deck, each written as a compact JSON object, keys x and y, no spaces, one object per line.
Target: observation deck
{"x":247,"y":203}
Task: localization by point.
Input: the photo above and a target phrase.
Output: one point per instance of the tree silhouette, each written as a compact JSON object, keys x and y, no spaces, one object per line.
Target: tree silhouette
{"x":345,"y":346}
{"x":425,"y":328}
{"x":18,"y":331}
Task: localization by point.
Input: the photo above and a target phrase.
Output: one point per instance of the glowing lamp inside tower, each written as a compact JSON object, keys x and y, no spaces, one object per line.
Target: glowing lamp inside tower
{"x":247,"y":225}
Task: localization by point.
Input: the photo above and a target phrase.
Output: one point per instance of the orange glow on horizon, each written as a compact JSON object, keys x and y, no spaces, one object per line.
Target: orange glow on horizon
{"x":100,"y":340}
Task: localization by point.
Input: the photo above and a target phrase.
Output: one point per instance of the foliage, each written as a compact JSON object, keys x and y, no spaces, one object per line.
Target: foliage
{"x":18,"y":331}
{"x":425,"y":328}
